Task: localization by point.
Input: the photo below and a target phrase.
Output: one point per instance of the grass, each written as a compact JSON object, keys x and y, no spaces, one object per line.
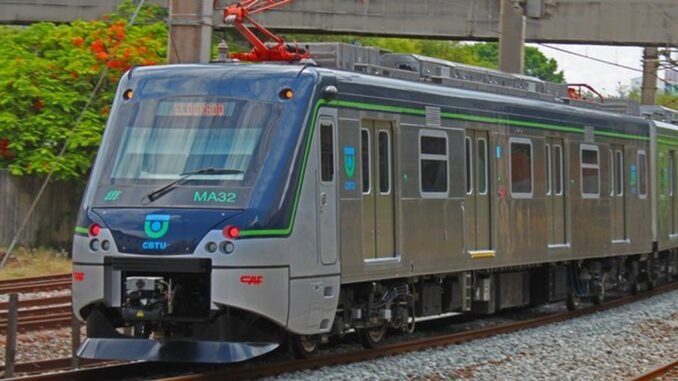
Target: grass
{"x":26,"y":262}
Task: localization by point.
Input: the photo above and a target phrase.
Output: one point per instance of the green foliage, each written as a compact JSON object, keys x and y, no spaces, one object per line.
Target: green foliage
{"x":48,"y":73}
{"x":668,"y":100}
{"x":663,"y":99}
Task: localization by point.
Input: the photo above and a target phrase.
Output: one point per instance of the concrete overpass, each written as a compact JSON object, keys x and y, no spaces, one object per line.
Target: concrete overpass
{"x":615,"y":22}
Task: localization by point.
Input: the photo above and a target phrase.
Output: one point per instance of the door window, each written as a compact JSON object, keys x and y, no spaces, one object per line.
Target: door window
{"x":326,"y":151}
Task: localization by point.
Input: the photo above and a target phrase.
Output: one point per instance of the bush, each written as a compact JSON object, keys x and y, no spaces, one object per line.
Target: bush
{"x":48,"y":73}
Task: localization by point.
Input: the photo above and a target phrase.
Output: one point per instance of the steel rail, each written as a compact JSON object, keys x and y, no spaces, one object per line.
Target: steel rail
{"x":61,"y":318}
{"x":249,"y":371}
{"x":35,"y":279}
{"x":45,"y":311}
{"x":52,"y":365}
{"x":669,"y":369}
{"x":41,"y":302}
{"x":36,"y":284}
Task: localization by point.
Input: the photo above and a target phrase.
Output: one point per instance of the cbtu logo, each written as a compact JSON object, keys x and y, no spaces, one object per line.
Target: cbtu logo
{"x":156,"y":226}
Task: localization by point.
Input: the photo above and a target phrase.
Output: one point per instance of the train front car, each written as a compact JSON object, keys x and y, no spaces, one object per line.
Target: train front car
{"x":186,"y":247}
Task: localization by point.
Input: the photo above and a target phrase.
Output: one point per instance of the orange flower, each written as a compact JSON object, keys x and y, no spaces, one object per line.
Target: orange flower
{"x":102,"y":56}
{"x":98,"y":46}
{"x":105,"y":110}
{"x":78,"y":41}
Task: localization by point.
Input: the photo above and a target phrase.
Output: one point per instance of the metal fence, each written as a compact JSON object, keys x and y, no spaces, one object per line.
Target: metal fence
{"x":53,"y":219}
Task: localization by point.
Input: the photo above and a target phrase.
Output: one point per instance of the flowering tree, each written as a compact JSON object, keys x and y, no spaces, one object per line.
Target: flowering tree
{"x":47,"y":75}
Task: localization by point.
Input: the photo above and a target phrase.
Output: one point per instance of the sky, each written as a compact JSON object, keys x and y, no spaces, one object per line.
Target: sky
{"x":603,"y":77}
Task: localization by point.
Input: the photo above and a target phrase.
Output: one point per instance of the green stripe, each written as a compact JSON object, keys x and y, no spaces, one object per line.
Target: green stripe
{"x":307,"y":149}
{"x":621,"y":135}
{"x":482,"y":119}
{"x":81,"y":230}
{"x":667,"y":139}
{"x":411,"y":111}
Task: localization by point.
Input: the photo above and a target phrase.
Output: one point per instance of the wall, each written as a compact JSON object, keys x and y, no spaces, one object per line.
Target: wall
{"x":53,"y":219}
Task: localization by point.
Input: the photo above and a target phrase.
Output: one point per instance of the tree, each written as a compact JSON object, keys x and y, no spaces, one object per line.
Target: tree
{"x":50,"y":71}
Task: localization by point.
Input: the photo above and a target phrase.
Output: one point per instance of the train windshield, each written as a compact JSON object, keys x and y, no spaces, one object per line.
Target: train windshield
{"x":180,"y":135}
{"x":211,"y":150}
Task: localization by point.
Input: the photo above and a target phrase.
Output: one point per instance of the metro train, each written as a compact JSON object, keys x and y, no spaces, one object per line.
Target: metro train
{"x":235,"y":207}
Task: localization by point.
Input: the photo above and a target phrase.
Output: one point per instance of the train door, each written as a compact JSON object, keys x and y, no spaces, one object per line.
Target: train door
{"x":477,"y":206}
{"x":376,"y":141}
{"x":555,"y":192}
{"x":618,"y":194}
{"x":327,"y":193}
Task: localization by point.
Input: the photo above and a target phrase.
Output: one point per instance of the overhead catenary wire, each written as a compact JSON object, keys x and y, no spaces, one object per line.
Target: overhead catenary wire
{"x":601,"y":60}
{"x":63,"y":149}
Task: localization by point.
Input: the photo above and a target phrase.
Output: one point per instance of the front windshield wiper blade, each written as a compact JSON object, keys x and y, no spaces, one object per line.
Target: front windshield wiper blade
{"x":159,"y":192}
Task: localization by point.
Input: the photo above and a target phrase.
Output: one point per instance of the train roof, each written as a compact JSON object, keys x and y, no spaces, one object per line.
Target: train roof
{"x":396,"y":86}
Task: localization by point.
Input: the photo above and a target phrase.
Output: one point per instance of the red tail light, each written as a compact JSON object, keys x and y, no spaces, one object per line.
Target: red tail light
{"x":94,"y":230}
{"x":231,"y":232}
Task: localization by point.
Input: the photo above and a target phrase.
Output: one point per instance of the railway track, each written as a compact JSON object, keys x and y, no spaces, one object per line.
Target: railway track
{"x":265,"y":368}
{"x":40,"y":313}
{"x":667,"y":371}
{"x":36,"y":284}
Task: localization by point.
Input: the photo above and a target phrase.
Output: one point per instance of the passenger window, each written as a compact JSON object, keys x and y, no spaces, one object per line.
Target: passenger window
{"x":671,"y":174}
{"x":326,"y":152}
{"x":558,"y":157}
{"x":521,"y":167}
{"x":433,"y":163}
{"x":469,"y":165}
{"x":549,"y":183}
{"x":365,"y":159}
{"x":612,"y":173}
{"x":590,"y":171}
{"x":384,"y":163}
{"x":642,"y":174}
{"x":619,"y":173}
{"x":482,"y":166}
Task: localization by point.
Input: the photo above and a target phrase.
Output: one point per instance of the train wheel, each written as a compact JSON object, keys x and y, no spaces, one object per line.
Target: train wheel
{"x":304,"y":346}
{"x":635,"y":287}
{"x":599,"y":297}
{"x":372,"y":337}
{"x":573,"y":301}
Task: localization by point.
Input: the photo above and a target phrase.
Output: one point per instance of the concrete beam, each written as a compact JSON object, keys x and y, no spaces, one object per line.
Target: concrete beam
{"x":617,"y":22}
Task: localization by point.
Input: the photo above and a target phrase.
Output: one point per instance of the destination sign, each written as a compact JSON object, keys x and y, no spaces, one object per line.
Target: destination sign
{"x":197,"y":109}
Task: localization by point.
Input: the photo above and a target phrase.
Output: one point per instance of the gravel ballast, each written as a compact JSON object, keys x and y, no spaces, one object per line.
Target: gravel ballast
{"x":610,"y":345}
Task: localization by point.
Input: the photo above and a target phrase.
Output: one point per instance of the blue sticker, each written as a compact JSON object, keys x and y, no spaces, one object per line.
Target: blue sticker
{"x":498,"y":150}
{"x":349,"y":185}
{"x":349,"y":161}
{"x":634,"y":178}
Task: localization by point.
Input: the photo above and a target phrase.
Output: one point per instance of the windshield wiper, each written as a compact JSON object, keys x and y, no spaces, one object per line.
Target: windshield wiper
{"x":159,"y":192}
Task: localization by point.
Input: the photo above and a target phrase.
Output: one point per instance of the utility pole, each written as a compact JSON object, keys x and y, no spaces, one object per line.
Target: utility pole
{"x":511,"y":37}
{"x":650,"y":65}
{"x":190,"y":31}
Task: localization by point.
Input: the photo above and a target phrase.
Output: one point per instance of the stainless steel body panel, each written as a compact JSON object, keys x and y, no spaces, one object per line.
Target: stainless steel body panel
{"x":522,"y":231}
{"x":665,"y":195}
{"x":313,"y":304}
{"x":264,"y":291}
